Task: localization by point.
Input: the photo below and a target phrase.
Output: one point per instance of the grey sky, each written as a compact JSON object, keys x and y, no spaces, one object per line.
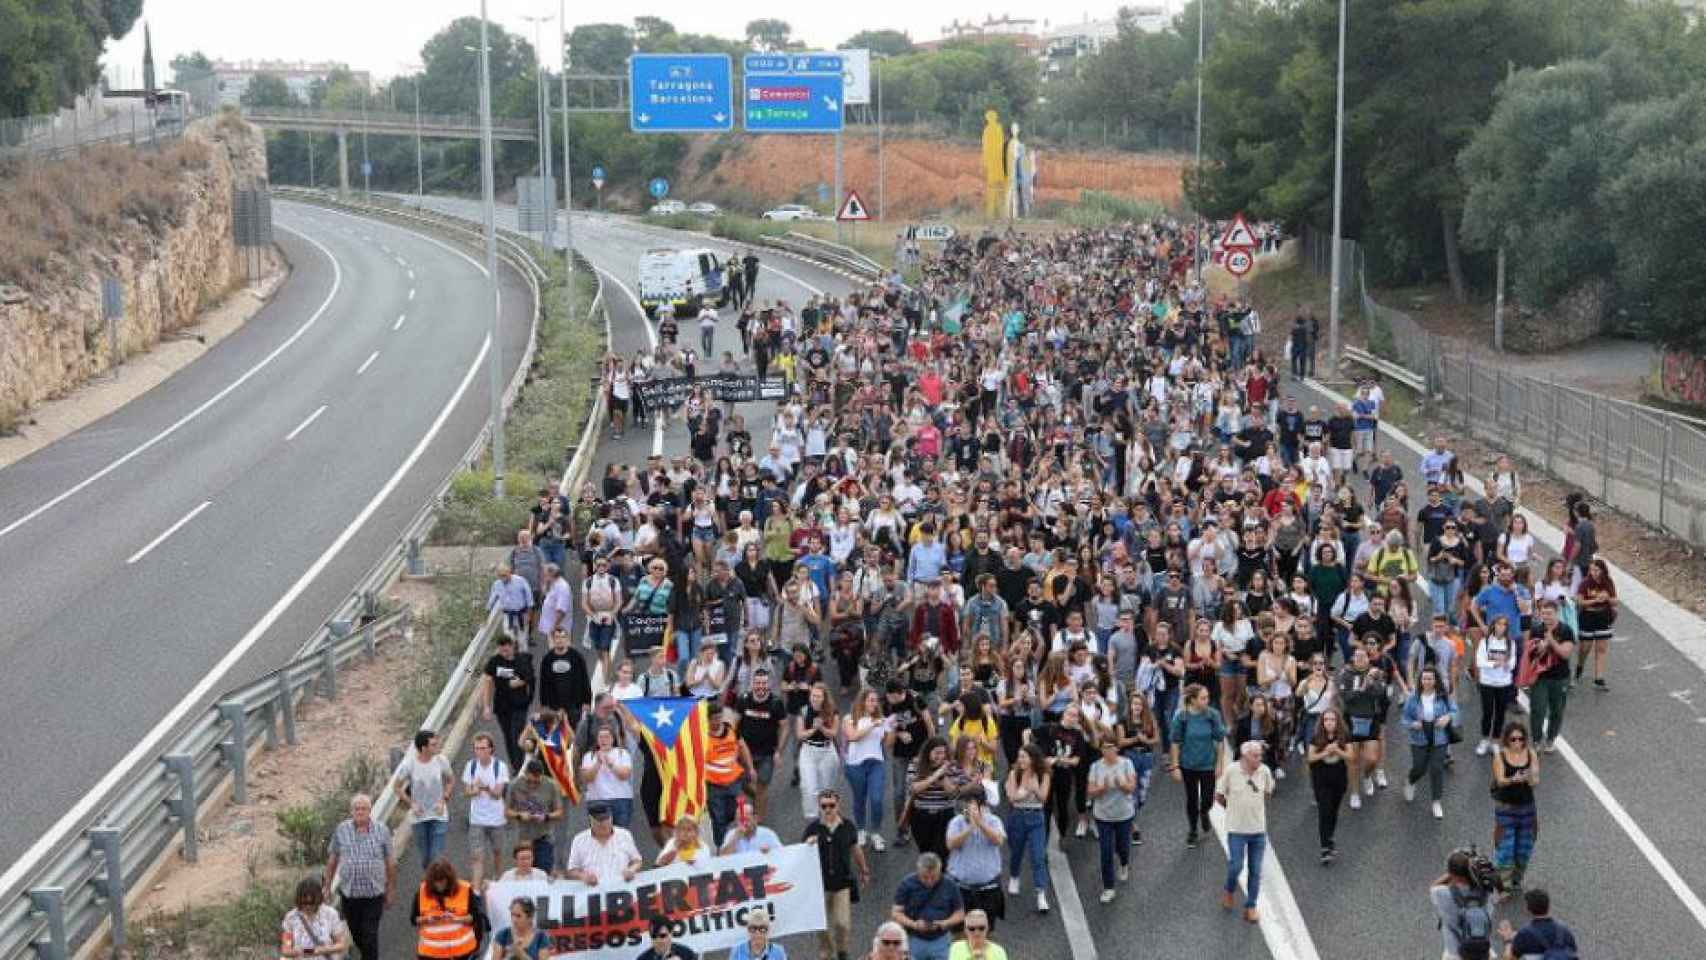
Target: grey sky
{"x":384,"y":35}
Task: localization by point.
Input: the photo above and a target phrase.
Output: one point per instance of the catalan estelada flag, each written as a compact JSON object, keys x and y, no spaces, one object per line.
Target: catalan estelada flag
{"x":556,"y":749}
{"x":676,"y":729}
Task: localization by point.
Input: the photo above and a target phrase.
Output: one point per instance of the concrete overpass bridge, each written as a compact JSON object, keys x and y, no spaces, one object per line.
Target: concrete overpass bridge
{"x":344,"y":122}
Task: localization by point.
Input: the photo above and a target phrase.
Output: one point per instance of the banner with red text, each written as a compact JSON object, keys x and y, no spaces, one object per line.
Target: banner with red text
{"x":706,"y":903}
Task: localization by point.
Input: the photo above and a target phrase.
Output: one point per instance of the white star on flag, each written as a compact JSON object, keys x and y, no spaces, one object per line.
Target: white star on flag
{"x":663,"y":717}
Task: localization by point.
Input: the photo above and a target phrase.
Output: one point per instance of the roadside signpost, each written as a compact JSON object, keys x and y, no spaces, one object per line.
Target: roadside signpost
{"x":1239,"y":261}
{"x":798,"y":93}
{"x":1238,"y":247}
{"x":940,"y":232}
{"x":853,"y":209}
{"x":598,"y":178}
{"x":680,"y":93}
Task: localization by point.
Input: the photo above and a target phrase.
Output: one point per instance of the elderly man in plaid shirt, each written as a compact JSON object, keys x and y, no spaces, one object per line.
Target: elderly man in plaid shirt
{"x":362,"y":865}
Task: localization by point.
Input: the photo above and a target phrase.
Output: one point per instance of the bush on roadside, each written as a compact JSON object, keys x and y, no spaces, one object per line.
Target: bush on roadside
{"x":453,"y":622}
{"x":676,"y":221}
{"x":307,"y":827}
{"x":1097,"y":208}
{"x":746,"y":229}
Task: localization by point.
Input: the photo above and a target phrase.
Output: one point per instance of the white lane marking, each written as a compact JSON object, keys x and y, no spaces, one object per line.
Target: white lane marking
{"x":337,"y":283}
{"x":412,"y":292}
{"x":149,"y":744}
{"x":399,"y":324}
{"x":1643,"y":843}
{"x":304,"y":424}
{"x":1686,"y":644}
{"x":367,"y":363}
{"x":411,"y":275}
{"x":652,"y":336}
{"x":174,"y":528}
{"x":401,"y":262}
{"x":1281,"y":919}
{"x":1078,"y":936}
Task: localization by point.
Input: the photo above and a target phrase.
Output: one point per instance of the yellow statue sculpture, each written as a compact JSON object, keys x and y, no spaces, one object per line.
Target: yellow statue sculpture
{"x":994,"y":166}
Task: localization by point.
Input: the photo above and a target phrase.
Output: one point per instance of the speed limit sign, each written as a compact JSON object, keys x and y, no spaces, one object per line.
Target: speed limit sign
{"x":1239,"y":261}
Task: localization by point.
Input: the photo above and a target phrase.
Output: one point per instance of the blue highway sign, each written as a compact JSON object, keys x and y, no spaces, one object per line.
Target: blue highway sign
{"x":659,"y":187}
{"x":809,"y":103}
{"x":680,"y":93}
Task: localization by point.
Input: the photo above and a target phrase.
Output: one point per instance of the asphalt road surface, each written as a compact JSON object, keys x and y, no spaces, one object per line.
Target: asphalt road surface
{"x":1618,"y":846}
{"x":193,"y":539}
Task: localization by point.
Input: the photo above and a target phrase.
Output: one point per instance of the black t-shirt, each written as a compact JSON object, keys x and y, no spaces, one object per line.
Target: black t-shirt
{"x":1339,"y":431}
{"x":505,"y":696}
{"x":1290,"y":427}
{"x":1170,"y":656}
{"x":834,"y":852}
{"x":1368,"y":623}
{"x":909,"y":719}
{"x":761,"y":723}
{"x":564,"y":683}
{"x":1315,"y":431}
{"x":1257,"y":437}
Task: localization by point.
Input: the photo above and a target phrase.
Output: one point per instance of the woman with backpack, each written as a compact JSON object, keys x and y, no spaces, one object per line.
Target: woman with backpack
{"x":1463,"y":909}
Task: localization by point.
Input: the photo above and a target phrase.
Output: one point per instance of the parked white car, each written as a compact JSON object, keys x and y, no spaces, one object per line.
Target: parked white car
{"x":792,"y":211}
{"x":703,"y":209}
{"x":664,"y":208}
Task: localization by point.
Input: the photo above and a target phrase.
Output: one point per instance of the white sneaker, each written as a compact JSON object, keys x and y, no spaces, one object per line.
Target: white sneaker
{"x":1012,"y":886}
{"x":877,"y":843}
{"x":1484,"y":747}
{"x":862,"y":838}
{"x":1368,"y":786}
{"x":1356,"y":801}
{"x":1279,"y":773}
{"x":1409,"y":792}
{"x":1125,"y":874}
{"x":1042,"y":902}
{"x":1079,"y":830}
{"x":1108,"y":895}
{"x":1439,"y":812}
{"x":1380,"y":778}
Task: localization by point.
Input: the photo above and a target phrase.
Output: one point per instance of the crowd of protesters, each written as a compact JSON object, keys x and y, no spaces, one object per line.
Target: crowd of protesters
{"x":1018,"y":539}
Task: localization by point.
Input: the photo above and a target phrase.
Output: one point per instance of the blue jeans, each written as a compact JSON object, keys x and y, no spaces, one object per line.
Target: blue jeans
{"x":1027,"y":832}
{"x":621,"y":811}
{"x":687,"y":645}
{"x":1102,"y":640}
{"x":920,"y":949}
{"x":1142,"y":761}
{"x":429,"y":837}
{"x":1242,"y":847}
{"x":1166,"y":704}
{"x":866,"y":779}
{"x":1114,"y":836}
{"x":720,"y":801}
{"x":1443,"y":596}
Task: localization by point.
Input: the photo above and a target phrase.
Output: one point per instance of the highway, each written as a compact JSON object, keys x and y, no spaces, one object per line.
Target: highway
{"x":193,"y":539}
{"x":1612,"y":800}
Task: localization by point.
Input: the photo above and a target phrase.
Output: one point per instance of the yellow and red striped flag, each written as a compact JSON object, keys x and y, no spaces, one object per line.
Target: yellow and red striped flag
{"x":677,"y":730}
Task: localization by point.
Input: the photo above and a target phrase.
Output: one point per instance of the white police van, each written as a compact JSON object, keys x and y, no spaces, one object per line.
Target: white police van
{"x":684,"y":279}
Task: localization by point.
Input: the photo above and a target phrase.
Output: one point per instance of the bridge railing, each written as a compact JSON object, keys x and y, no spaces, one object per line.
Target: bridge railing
{"x":355,"y":119}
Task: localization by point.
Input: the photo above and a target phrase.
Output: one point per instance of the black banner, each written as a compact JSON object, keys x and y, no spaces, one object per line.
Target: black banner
{"x":722,"y":387}
{"x":644,"y":632}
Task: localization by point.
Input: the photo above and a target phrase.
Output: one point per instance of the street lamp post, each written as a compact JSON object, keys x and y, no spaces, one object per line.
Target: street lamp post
{"x":1338,"y":207}
{"x":494,"y":365}
{"x":568,"y":172}
{"x":542,"y":101}
{"x":420,"y":175}
{"x":1197,"y":247}
{"x":366,"y":167}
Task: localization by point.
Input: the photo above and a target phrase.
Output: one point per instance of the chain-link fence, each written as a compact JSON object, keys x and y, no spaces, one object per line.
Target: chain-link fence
{"x":94,"y":119}
{"x":1644,"y":461}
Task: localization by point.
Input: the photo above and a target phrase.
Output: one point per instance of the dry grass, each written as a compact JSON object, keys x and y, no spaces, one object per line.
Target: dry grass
{"x":57,"y":212}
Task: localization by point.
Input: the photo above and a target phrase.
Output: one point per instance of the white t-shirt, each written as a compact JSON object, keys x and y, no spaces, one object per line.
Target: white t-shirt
{"x":606,"y":785}
{"x":869,"y":747}
{"x":485,"y":810}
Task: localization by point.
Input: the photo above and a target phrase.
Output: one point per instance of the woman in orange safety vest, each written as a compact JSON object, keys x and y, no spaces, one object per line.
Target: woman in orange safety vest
{"x":447,"y":915}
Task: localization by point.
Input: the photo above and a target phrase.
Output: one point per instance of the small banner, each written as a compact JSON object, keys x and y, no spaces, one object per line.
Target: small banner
{"x":722,"y":387}
{"x":644,"y":632}
{"x":706,"y":904}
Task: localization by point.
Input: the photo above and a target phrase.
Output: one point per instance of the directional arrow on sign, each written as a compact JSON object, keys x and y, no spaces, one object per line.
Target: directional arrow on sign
{"x":645,"y":118}
{"x":829,"y":103}
{"x":719,"y":116}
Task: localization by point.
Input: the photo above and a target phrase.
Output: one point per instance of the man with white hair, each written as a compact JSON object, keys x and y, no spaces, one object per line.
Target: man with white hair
{"x":889,"y":942}
{"x":1243,"y":789}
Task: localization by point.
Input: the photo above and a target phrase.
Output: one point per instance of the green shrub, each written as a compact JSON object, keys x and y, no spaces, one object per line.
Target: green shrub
{"x":307,"y":827}
{"x":746,"y":229}
{"x":1097,"y":208}
{"x":454,"y":621}
{"x":676,"y":221}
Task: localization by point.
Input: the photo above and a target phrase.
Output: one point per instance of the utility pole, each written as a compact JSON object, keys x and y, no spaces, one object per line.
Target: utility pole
{"x":1202,"y":19}
{"x":542,"y":96}
{"x":1338,"y":208}
{"x":420,"y":169}
{"x":494,"y":365}
{"x":1499,"y":296}
{"x":568,"y":171}
{"x":879,"y":58}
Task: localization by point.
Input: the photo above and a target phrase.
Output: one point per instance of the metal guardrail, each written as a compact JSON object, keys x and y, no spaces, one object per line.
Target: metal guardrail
{"x":76,"y":894}
{"x":825,"y":251}
{"x":355,"y":119}
{"x":1407,"y":378}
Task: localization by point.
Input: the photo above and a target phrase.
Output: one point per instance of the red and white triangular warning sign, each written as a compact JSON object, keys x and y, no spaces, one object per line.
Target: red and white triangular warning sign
{"x":853,"y":208}
{"x":1239,"y":234}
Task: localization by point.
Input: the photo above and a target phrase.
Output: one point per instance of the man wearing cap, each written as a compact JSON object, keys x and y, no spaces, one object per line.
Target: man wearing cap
{"x":663,"y":945}
{"x":603,"y":853}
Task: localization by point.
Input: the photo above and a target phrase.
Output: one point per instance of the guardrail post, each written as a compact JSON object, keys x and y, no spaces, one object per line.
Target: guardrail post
{"x":369,"y":604}
{"x":1604,"y":454}
{"x":1552,"y":429}
{"x":1664,"y":472}
{"x":182,"y":767}
{"x":49,"y":902}
{"x":329,"y":669}
{"x":412,"y":557}
{"x":109,"y":841}
{"x":369,"y":645}
{"x":235,"y":748}
{"x":286,"y":709}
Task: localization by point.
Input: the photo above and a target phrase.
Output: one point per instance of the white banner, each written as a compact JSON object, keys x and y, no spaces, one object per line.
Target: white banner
{"x":706,"y":903}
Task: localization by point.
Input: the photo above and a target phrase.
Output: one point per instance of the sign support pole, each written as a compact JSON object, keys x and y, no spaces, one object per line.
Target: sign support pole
{"x":838,"y":197}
